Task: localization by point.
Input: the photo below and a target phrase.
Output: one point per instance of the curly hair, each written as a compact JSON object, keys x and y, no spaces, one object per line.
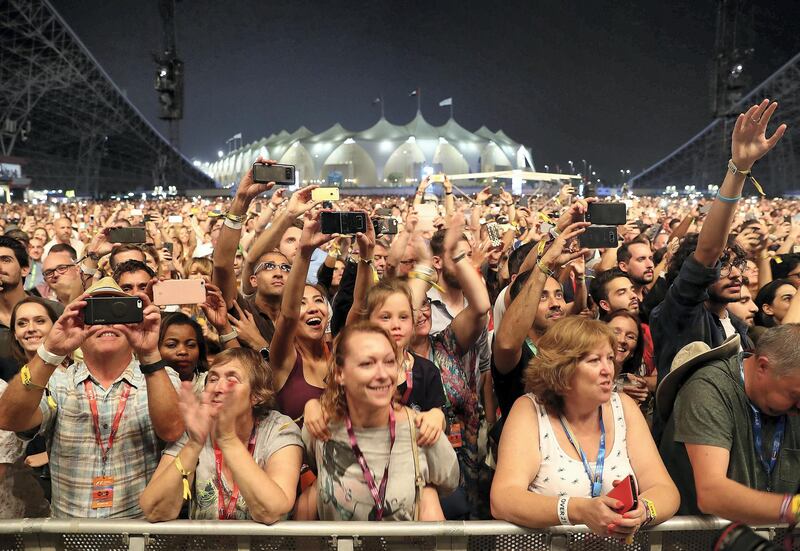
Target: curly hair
{"x":333,"y":400}
{"x":259,"y":373}
{"x":549,"y":374}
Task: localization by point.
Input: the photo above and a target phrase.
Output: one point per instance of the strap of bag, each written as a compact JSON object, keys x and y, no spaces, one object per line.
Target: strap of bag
{"x":419,"y":483}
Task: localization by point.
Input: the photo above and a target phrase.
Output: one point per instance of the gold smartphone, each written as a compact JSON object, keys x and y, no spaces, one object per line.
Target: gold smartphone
{"x":325,"y":194}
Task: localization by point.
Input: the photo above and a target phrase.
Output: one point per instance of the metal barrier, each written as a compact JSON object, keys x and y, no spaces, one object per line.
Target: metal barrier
{"x":680,"y":533}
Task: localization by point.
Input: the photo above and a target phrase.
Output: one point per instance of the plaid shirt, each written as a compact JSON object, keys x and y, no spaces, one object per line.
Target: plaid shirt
{"x":75,"y":457}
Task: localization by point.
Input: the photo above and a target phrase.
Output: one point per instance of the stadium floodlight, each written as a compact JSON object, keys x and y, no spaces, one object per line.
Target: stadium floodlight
{"x":220,"y":153}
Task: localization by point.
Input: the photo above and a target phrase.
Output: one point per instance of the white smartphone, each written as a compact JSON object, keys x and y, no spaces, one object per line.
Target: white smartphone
{"x":179,"y":291}
{"x":175,"y":219}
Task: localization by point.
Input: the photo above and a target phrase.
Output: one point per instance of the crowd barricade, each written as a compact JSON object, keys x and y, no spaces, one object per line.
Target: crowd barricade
{"x":680,"y":533}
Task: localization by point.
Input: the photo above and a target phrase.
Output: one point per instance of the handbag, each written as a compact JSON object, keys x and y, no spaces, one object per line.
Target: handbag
{"x":419,"y":482}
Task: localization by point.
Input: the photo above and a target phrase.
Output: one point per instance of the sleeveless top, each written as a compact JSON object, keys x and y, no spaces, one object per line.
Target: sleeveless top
{"x":560,"y":474}
{"x":296,"y":391}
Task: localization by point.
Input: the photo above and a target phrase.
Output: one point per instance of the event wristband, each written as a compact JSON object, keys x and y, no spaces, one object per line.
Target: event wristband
{"x":187,"y":492}
{"x":227,"y":337}
{"x":562,"y":509}
{"x":232,"y":225}
{"x":48,"y":357}
{"x":147,"y":369}
{"x":649,"y":509}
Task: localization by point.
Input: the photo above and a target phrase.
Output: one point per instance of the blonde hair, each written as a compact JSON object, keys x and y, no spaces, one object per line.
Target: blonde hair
{"x":563,"y":346}
{"x":334,"y":401}
{"x":259,"y":373}
{"x":380,"y":293}
{"x":205,"y":265}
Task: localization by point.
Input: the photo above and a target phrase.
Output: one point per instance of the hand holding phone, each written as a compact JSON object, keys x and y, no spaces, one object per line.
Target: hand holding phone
{"x":626,"y":492}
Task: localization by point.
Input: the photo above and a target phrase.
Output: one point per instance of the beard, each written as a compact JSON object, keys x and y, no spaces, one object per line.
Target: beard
{"x":450,"y":279}
{"x":8,"y":286}
{"x":720,"y":299}
{"x":640,"y":280}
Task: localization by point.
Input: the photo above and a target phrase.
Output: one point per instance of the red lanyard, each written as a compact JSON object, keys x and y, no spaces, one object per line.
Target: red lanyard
{"x":226,"y":511}
{"x":378,"y":495}
{"x":123,"y":399}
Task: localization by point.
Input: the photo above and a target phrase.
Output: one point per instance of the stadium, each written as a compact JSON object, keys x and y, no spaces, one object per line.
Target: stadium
{"x":384,"y":155}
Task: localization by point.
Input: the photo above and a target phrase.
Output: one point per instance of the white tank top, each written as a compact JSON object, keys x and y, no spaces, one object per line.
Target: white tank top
{"x":560,"y":474}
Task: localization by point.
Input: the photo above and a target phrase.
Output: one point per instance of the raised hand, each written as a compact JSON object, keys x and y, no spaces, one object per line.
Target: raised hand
{"x":301,"y":202}
{"x":749,"y":141}
{"x":69,"y":331}
{"x":214,"y":308}
{"x":143,"y":336}
{"x":556,"y":255}
{"x":312,"y":236}
{"x":246,"y":327}
{"x":248,"y":189}
{"x":366,"y":241}
{"x":198,"y":413}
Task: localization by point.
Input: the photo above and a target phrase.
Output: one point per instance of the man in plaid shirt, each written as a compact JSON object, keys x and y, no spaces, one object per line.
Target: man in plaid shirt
{"x":106,"y":418}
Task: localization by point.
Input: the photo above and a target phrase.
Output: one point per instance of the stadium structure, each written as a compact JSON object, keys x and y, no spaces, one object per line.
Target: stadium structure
{"x":384,"y":155}
{"x":65,"y":123}
{"x":701,"y":161}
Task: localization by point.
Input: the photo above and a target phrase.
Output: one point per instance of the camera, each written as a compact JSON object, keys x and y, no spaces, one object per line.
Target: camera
{"x":738,"y":537}
{"x":110,"y":310}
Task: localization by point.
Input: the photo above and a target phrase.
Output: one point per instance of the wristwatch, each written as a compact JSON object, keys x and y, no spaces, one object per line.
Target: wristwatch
{"x":264,"y":353}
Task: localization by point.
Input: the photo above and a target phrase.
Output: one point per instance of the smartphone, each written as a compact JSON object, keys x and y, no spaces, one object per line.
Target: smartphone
{"x":169,"y":246}
{"x":179,"y":291}
{"x":108,"y":310}
{"x":136,"y":212}
{"x":589,"y":190}
{"x":607,"y":214}
{"x":325,"y":194}
{"x":599,"y":237}
{"x":494,"y":234}
{"x":385,"y":226}
{"x":175,"y":219}
{"x":345,"y":223}
{"x":495,"y":190}
{"x":282,"y":175}
{"x":146,"y":218}
{"x":627,"y":493}
{"x":426,"y":214}
{"x":127,"y":235}
{"x":437,"y":178}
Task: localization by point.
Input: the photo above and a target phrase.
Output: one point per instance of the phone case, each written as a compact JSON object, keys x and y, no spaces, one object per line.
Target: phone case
{"x":627,"y":493}
{"x":179,"y":291}
{"x":325,"y":194}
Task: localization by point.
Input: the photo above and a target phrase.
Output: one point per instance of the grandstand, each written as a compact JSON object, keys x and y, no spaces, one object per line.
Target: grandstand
{"x":700,"y":161}
{"x":64,"y":120}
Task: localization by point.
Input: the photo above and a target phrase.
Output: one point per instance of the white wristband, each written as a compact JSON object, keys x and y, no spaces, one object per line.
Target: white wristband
{"x":232,"y":225}
{"x":562,"y":509}
{"x":48,"y":357}
{"x":227,"y":337}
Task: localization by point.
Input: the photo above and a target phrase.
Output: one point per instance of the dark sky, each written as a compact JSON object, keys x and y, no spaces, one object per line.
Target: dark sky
{"x":620,"y":83}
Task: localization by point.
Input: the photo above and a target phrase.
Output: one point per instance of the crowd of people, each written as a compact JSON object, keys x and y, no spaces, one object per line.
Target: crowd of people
{"x":478,"y":363}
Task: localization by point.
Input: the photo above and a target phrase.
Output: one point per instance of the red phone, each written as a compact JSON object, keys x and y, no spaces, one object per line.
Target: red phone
{"x":627,"y":493}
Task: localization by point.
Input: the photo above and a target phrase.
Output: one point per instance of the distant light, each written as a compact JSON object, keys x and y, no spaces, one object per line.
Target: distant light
{"x":220,"y":154}
{"x":349,"y":141}
{"x":411,"y":139}
{"x":196,"y":163}
{"x":385,"y":146}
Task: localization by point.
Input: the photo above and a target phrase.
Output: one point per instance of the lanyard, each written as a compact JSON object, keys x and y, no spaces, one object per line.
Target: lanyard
{"x":224,"y":511}
{"x":123,"y":399}
{"x":596,"y":478}
{"x":777,"y":437}
{"x":409,"y":382}
{"x":378,"y":495}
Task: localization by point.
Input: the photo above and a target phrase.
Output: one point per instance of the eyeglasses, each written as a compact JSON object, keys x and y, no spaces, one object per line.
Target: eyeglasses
{"x":426,"y":306}
{"x":727,"y":267}
{"x":61,"y":269}
{"x":270,"y":266}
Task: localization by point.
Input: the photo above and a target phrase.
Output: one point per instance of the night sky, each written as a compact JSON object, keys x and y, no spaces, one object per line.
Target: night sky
{"x":618,"y":83}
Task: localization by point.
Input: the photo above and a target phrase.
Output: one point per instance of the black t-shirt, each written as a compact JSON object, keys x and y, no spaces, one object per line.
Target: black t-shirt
{"x":510,"y":386}
{"x":427,"y":392}
{"x":9,"y":365}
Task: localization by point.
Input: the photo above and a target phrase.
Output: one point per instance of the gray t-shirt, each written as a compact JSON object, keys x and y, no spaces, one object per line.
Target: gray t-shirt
{"x":275,"y":432}
{"x":343,"y":493}
{"x":712,"y":409}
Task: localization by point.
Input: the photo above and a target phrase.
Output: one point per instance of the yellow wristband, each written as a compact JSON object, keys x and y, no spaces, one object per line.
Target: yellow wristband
{"x":187,"y":492}
{"x":25,"y":377}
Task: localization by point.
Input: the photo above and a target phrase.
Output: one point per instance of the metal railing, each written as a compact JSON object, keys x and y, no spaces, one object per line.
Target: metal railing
{"x":680,"y":533}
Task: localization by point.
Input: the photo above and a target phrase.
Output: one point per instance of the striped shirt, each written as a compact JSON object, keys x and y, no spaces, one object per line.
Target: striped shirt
{"x":75,"y":456}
